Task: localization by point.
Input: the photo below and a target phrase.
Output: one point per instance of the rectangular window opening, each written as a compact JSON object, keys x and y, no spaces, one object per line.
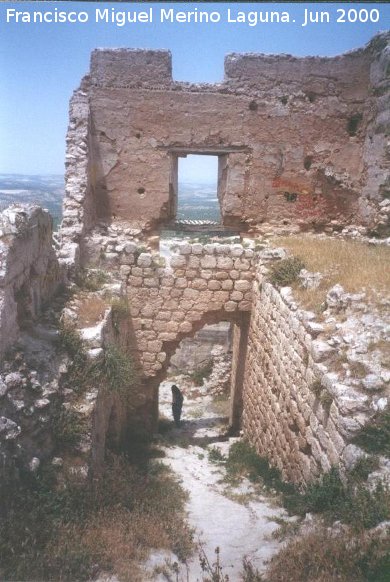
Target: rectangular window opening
{"x":197,"y":198}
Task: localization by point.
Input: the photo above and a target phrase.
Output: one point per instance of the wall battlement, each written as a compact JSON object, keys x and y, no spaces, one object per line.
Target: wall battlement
{"x":299,"y":141}
{"x":123,"y":67}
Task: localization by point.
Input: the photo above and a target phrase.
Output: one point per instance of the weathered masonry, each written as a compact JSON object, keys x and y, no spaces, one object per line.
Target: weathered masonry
{"x":299,"y":140}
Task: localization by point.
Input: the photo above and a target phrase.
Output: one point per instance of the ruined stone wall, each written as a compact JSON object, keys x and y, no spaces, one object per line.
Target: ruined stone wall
{"x":80,"y":202}
{"x":201,"y":284}
{"x":29,"y":270}
{"x":292,"y":135}
{"x":285,"y":417}
{"x":376,"y":153}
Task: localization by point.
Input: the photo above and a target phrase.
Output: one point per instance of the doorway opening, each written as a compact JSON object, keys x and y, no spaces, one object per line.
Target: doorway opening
{"x":201,"y":369}
{"x":197,"y":193}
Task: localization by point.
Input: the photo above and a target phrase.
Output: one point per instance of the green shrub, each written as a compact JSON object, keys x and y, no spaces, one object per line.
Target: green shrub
{"x":363,"y":468}
{"x":319,"y":497}
{"x":91,"y":279}
{"x":119,"y":311}
{"x":286,"y":271}
{"x":114,"y":370}
{"x":326,"y":398}
{"x":243,"y":460}
{"x":68,"y":427}
{"x":77,"y":377}
{"x":351,"y":503}
{"x":202,"y":372}
{"x":70,"y":339}
{"x":215,"y":455}
{"x":353,"y":123}
{"x":120,"y":308}
{"x":316,"y":387}
{"x":375,"y":436}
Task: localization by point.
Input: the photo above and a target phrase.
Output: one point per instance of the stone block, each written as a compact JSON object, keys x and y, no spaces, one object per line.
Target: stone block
{"x":154,"y":346}
{"x":167,"y":336}
{"x":168,"y":281}
{"x":151,"y":282}
{"x":191,"y":293}
{"x":214,"y":285}
{"x":242,"y":285}
{"x":181,"y":283}
{"x":185,"y":327}
{"x":242,"y":264}
{"x":178,"y":316}
{"x":245,"y":305}
{"x":135,"y":281}
{"x":199,"y":284}
{"x":144,"y":260}
{"x":224,"y":263}
{"x":164,"y":315}
{"x":222,"y":249}
{"x":197,"y":249}
{"x":193,"y":262}
{"x":191,"y":273}
{"x":237,"y":250}
{"x":227,"y":285}
{"x":236,"y":295}
{"x":185,"y":249}
{"x":208,"y":262}
{"x":230,"y":306}
{"x":178,"y":261}
{"x":209,"y":248}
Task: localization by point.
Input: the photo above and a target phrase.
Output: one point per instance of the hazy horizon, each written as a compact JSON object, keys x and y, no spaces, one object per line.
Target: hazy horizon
{"x":42,"y":64}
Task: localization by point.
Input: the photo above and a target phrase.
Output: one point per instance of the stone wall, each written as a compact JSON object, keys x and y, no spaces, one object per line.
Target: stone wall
{"x":29,"y":270}
{"x":298,"y":139}
{"x":285,"y":417}
{"x":376,"y":153}
{"x":200,"y":284}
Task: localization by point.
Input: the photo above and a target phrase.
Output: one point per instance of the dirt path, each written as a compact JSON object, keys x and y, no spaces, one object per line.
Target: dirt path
{"x":236,"y":519}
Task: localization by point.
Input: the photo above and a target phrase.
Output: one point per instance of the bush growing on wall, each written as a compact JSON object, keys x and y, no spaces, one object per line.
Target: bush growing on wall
{"x":286,"y":271}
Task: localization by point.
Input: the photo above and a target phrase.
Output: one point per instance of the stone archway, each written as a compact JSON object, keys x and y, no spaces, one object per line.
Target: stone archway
{"x":240,"y":322}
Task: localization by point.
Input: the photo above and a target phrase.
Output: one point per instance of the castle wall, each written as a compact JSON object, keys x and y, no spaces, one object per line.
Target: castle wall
{"x":290,"y":132}
{"x":285,"y":417}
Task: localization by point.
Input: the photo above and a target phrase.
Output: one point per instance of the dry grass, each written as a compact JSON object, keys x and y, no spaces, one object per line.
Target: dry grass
{"x":356,"y":266}
{"x":327,"y":556}
{"x":221,"y":405}
{"x":91,"y":311}
{"x":75,"y":533}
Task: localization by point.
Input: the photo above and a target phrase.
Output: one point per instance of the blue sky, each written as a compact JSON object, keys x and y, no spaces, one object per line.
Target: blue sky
{"x":41,"y":64}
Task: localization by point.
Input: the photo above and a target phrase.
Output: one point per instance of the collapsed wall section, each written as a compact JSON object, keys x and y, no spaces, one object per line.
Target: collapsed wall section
{"x":29,"y":270}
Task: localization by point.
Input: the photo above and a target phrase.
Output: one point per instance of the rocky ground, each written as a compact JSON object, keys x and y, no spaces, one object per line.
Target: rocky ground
{"x":237,"y":519}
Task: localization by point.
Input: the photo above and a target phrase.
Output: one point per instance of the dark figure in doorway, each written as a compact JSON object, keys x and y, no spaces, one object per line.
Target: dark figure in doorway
{"x":177,"y":404}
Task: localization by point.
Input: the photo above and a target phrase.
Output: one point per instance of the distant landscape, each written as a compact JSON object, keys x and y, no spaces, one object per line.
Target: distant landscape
{"x":45,"y":190}
{"x":197,"y":201}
